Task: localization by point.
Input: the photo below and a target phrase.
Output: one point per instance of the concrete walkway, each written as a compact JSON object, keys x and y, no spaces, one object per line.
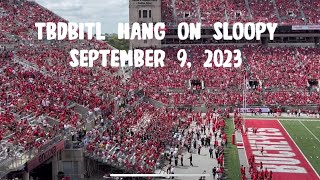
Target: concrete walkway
{"x":201,"y":162}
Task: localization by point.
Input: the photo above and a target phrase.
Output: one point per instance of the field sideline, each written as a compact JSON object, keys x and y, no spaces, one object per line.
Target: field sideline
{"x":232,"y":163}
{"x":292,"y":147}
{"x":282,"y":118}
{"x":306,"y":135}
{"x":305,"y":132}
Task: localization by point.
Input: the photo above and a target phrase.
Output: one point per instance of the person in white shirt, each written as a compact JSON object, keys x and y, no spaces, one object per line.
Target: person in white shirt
{"x":43,"y":102}
{"x":96,"y":110}
{"x":171,"y":151}
{"x":90,"y":114}
{"x":102,"y":122}
{"x":176,"y":149}
{"x":47,"y":102}
{"x":45,"y":123}
{"x":174,"y":153}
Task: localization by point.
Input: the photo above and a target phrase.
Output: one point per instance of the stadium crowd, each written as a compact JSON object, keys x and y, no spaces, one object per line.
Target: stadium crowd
{"x":311,"y":10}
{"x":210,"y":11}
{"x":137,"y":139}
{"x":282,"y":77}
{"x":36,"y":82}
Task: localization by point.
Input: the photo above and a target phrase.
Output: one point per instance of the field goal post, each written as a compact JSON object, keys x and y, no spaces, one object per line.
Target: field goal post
{"x":244,"y":103}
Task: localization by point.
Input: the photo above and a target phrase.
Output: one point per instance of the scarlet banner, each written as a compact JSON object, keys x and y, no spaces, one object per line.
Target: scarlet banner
{"x":45,"y":156}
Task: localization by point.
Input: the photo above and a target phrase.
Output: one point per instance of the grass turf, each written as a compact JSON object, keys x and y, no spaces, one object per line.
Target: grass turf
{"x":232,"y":163}
{"x":308,"y":144}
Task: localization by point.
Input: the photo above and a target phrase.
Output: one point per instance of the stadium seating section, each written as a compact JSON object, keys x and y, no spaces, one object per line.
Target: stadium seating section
{"x":36,"y":80}
{"x":210,"y":11}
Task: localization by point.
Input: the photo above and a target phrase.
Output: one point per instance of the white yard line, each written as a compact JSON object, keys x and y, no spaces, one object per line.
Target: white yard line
{"x":266,"y":118}
{"x":299,"y":149}
{"x":310,"y":131}
{"x":315,"y":120}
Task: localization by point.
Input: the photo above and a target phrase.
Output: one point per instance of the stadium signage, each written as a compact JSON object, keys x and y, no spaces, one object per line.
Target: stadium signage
{"x":252,"y":110}
{"x":306,"y":27}
{"x":144,"y":2}
{"x":45,"y":156}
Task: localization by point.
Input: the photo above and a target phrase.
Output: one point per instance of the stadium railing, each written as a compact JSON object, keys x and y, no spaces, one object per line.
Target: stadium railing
{"x":17,"y":162}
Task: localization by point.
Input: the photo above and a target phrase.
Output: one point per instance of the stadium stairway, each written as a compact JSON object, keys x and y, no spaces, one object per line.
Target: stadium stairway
{"x":27,"y":64}
{"x":248,"y":8}
{"x":226,"y":15}
{"x":301,"y":11}
{"x":198,"y":11}
{"x":9,"y":36}
{"x":174,"y":10}
{"x":276,"y":10}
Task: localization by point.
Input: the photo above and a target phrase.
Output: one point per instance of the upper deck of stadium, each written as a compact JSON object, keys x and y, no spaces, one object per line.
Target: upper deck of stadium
{"x":284,"y":12}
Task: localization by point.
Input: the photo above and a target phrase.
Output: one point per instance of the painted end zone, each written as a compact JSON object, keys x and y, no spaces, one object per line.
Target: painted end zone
{"x":280,"y":154}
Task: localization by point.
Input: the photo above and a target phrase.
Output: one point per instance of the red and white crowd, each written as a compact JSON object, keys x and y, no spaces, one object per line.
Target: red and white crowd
{"x":136,"y":140}
{"x":282,"y":74}
{"x":211,"y":11}
{"x":36,"y":82}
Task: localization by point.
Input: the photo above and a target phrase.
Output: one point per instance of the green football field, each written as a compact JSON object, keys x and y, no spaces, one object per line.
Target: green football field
{"x":306,"y":135}
{"x":232,"y":163}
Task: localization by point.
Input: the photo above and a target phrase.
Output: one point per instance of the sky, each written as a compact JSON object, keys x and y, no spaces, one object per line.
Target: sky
{"x":108,"y":12}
